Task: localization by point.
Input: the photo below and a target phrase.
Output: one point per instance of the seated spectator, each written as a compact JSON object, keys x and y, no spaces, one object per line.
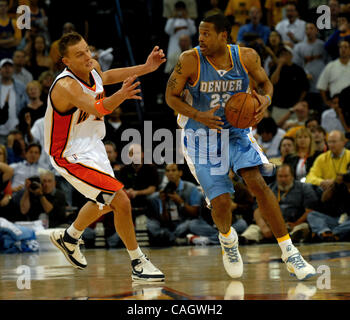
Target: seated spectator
{"x":274,"y":11}
{"x":336,"y":75}
{"x":331,"y":163}
{"x":313,"y":122}
{"x":292,"y":29}
{"x":319,"y":135}
{"x":175,"y":212}
{"x":215,"y":9}
{"x":112,"y":154}
{"x":344,"y":98}
{"x":287,"y":146}
{"x":302,"y":160}
{"x":272,"y":49}
{"x":10,"y":34}
{"x":342,"y":33}
{"x":269,"y":137}
{"x":140,"y":180}
{"x":333,"y":118}
{"x":185,"y":43}
{"x":178,"y":25}
{"x":16,"y":147}
{"x":26,"y":169}
{"x":38,"y":17}
{"x":285,"y":76}
{"x":34,"y":110}
{"x":295,"y":117}
{"x":114,"y":130}
{"x":332,"y":223}
{"x":238,"y":14}
{"x":6,"y":174}
{"x":311,"y":56}
{"x":253,"y":28}
{"x":169,"y":8}
{"x":55,"y":56}
{"x":39,"y":60}
{"x":46,"y":80}
{"x":21,"y":74}
{"x":41,"y":200}
{"x":296,"y":200}
{"x":13,"y":99}
{"x":335,"y":10}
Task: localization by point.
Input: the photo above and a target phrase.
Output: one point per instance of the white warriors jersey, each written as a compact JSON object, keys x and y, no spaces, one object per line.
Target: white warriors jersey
{"x":75,"y":131}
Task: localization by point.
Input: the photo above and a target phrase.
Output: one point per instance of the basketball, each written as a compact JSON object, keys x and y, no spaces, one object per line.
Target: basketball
{"x":240,"y":110}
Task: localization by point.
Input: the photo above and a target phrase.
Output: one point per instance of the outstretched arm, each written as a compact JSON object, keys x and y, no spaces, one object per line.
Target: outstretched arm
{"x":68,"y":94}
{"x":252,"y":63}
{"x":154,"y":60}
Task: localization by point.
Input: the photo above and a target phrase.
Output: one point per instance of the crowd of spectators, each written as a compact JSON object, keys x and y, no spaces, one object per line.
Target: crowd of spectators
{"x":305,"y":133}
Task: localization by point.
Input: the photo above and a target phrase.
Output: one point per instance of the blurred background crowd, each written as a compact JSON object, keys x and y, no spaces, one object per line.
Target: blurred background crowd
{"x":305,"y":132}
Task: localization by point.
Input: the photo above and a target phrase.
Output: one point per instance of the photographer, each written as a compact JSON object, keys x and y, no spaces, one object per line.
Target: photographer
{"x":175,"y":210}
{"x":333,"y":224}
{"x":41,"y":196}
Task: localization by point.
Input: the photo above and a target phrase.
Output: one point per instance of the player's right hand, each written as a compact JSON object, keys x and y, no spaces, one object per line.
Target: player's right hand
{"x":209,"y":119}
{"x":128,"y":90}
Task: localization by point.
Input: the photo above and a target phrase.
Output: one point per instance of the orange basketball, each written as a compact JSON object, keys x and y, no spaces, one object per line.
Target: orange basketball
{"x":240,"y":110}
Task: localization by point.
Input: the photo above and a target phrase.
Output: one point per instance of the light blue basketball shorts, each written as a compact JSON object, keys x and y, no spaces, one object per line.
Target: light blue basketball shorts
{"x":210,"y":162}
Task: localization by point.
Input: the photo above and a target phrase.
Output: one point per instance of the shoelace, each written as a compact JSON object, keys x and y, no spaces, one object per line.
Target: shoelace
{"x":232,"y":253}
{"x":297,"y":260}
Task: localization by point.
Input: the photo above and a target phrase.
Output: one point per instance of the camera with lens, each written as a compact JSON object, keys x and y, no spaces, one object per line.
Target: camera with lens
{"x":170,"y":188}
{"x":34,"y":183}
{"x":346,"y":177}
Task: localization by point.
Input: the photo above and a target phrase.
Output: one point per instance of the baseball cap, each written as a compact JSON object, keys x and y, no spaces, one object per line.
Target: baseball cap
{"x":5,"y":61}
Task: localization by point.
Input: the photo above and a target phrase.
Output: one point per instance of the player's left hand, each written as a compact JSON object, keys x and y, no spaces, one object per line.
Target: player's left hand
{"x":263,"y":105}
{"x":155,"y":59}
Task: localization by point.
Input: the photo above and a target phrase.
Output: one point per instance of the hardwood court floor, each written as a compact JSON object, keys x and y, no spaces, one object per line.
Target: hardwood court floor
{"x":191,"y":273}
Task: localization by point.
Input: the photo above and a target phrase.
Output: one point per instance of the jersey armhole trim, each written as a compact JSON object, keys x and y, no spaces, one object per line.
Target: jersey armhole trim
{"x":240,"y":59}
{"x":198,"y":68}
{"x":69,"y":112}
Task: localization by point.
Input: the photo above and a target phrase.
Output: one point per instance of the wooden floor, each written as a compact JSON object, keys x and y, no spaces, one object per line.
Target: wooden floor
{"x":191,"y":273}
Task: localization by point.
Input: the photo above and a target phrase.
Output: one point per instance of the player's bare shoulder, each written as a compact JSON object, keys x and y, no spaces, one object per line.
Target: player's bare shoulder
{"x":63,"y":89}
{"x":186,"y":66}
{"x":250,"y":58}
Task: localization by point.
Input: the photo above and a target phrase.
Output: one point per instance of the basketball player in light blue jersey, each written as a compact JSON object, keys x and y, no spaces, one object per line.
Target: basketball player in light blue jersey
{"x":202,"y":81}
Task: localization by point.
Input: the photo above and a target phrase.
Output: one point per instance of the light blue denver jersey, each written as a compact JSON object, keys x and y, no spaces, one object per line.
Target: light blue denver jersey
{"x":214,"y":87}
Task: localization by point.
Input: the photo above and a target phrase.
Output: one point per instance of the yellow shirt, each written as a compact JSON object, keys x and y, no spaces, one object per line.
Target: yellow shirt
{"x":276,"y":6}
{"x":327,"y":167}
{"x":240,"y":9}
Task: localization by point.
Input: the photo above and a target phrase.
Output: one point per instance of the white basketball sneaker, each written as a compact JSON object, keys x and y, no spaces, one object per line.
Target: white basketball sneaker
{"x":297,"y":266}
{"x":230,"y":255}
{"x":144,"y":270}
{"x":70,"y":247}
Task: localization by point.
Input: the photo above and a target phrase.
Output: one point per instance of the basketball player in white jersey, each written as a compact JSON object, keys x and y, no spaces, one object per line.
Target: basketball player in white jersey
{"x":74,"y":129}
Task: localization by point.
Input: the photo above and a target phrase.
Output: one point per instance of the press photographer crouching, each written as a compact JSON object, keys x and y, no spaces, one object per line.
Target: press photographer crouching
{"x":175,"y":213}
{"x":41,"y":200}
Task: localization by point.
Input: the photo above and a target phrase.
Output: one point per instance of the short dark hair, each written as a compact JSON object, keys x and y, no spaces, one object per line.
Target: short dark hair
{"x":111,"y":143}
{"x":344,"y":39}
{"x":286,"y":165}
{"x":286,"y":138}
{"x":267,"y":125}
{"x":68,"y":39}
{"x":180,"y":5}
{"x":345,"y":15}
{"x":32,"y":145}
{"x":321,"y":129}
{"x":221,"y":24}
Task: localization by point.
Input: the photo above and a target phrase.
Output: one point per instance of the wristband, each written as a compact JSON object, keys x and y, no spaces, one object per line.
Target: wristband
{"x":100,"y":108}
{"x":269,"y":98}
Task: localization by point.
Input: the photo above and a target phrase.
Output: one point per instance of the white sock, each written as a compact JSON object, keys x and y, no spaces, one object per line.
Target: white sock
{"x":287,"y":247}
{"x":135,"y":254}
{"x":74,"y":233}
{"x":231,"y":236}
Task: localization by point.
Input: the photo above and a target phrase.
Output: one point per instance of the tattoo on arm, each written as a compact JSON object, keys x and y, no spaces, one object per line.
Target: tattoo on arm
{"x":178,"y":67}
{"x":172,"y":83}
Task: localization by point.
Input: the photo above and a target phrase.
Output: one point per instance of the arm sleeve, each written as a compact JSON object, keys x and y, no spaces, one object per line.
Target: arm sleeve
{"x":315,"y":174}
{"x":323,"y":79}
{"x":195,"y":197}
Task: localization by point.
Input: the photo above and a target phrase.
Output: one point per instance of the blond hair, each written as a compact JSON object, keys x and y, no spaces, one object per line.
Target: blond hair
{"x":307,"y":132}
